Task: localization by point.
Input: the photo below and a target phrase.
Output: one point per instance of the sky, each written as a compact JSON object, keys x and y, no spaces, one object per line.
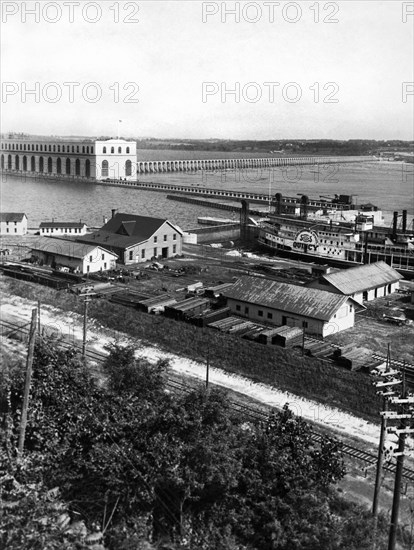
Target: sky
{"x":198,"y":70}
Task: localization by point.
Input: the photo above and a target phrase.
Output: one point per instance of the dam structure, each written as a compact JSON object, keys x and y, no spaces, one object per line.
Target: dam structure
{"x":159,"y":166}
{"x":119,"y":160}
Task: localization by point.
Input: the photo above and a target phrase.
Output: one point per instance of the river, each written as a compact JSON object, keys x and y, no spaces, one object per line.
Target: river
{"x":388,"y":185}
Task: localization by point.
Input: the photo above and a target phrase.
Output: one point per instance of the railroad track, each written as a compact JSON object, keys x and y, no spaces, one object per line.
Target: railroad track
{"x":258,"y":414}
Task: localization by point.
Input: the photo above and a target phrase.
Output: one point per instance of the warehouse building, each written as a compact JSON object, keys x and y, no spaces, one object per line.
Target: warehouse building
{"x":73,"y":256}
{"x":58,"y":229}
{"x":318,"y":312}
{"x":136,"y":239}
{"x":12,"y":223}
{"x":363,"y":283}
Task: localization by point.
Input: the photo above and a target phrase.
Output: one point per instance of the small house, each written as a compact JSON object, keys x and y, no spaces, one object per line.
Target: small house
{"x":12,"y":223}
{"x":59,"y":229}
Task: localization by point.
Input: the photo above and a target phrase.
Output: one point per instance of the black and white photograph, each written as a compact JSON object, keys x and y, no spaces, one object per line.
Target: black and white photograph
{"x":207,"y":275}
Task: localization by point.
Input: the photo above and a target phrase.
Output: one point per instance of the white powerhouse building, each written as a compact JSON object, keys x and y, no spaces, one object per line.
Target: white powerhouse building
{"x":70,"y":158}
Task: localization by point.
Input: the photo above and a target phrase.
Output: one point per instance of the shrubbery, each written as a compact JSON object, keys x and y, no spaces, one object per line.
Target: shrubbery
{"x":131,"y":466}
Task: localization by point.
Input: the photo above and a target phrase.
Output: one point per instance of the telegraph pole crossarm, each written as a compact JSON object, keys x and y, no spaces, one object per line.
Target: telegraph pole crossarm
{"x":402,"y":430}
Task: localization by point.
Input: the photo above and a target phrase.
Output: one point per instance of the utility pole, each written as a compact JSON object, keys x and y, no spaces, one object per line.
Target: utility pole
{"x":38,"y":316}
{"x":208,"y":364}
{"x":85,"y":324}
{"x":380,"y":459}
{"x":402,"y":432}
{"x":28,"y":381}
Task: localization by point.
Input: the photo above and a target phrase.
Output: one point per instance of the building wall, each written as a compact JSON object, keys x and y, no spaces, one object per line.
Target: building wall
{"x":116,"y":153}
{"x":14,"y":228}
{"x":51,"y":157}
{"x":77,"y":159}
{"x":345,"y":318}
{"x":97,"y":260}
{"x":162,"y":239}
{"x":45,"y":231}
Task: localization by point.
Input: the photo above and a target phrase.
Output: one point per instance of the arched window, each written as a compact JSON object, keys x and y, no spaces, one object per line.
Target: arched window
{"x":50,"y":148}
{"x":21,"y":147}
{"x":119,"y":150}
{"x":77,"y":148}
{"x":9,"y":162}
{"x":83,"y":149}
{"x":49,"y":165}
{"x":127,"y":150}
{"x":54,"y":148}
{"x":41,"y":147}
{"x":58,"y":148}
{"x":59,"y":165}
{"x":25,"y":163}
{"x":68,"y":167}
{"x":92,"y":150}
{"x":88,"y":168}
{"x":105,"y":169}
{"x":33,"y":147}
{"x":77,"y":167}
{"x":63,"y":148}
{"x":2,"y":162}
{"x":87,"y":150}
{"x":112,"y":149}
{"x":128,"y":168}
{"x":37,"y":147}
{"x":104,"y":150}
{"x":73,"y":148}
{"x":24,"y":147}
{"x":17,"y":162}
{"x":32,"y":164}
{"x":41,"y":164}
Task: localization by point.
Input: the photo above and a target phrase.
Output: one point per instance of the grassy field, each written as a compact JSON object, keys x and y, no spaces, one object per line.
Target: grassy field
{"x":287,"y":370}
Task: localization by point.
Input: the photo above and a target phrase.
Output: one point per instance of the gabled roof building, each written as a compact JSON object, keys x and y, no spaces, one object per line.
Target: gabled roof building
{"x":77,"y":257}
{"x":362,"y":283}
{"x":318,"y":312}
{"x":13,"y":223}
{"x":138,"y":239}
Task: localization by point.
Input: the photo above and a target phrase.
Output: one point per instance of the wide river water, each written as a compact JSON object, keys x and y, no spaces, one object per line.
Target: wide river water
{"x":388,"y":185}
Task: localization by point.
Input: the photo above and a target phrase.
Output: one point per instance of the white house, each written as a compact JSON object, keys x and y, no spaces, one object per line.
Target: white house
{"x":12,"y":223}
{"x":78,"y":257}
{"x":137,"y":239}
{"x":362,"y":283}
{"x":318,"y":312}
{"x":57,"y":229}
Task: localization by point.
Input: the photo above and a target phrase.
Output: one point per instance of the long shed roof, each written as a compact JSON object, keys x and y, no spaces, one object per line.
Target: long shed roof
{"x":71,"y":249}
{"x":299,"y":300}
{"x":364,"y":277}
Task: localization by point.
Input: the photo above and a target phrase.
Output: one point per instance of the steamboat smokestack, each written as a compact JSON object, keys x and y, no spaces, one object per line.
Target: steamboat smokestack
{"x":394,"y":224}
{"x":404,"y":221}
{"x":113,"y":212}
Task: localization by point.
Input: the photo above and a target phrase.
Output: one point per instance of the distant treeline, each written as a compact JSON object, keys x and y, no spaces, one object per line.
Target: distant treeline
{"x":318,"y":147}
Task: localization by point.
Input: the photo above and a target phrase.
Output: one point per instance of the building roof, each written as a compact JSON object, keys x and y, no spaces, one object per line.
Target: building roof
{"x":125,"y":230}
{"x":299,"y":300}
{"x":71,"y":225}
{"x":71,"y":249}
{"x":11,"y":216}
{"x":364,"y":277}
